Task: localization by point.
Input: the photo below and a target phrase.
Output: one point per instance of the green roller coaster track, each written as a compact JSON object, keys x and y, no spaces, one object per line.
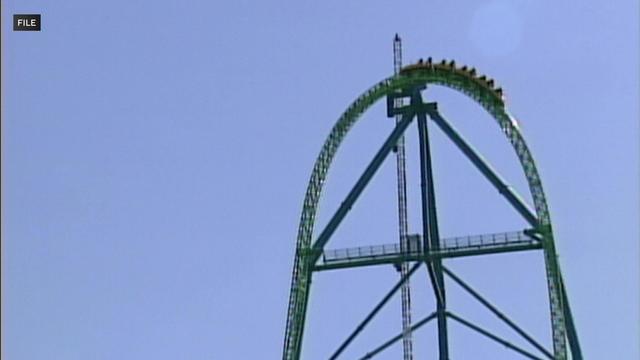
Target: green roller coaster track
{"x":481,"y":90}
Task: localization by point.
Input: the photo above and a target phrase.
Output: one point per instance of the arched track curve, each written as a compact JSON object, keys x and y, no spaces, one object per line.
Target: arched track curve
{"x":482,"y":91}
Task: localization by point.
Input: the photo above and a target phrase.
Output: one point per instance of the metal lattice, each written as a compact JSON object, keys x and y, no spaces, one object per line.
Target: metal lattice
{"x":409,"y":80}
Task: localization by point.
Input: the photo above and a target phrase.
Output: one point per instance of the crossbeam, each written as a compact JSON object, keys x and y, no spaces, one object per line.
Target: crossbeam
{"x":449,"y":248}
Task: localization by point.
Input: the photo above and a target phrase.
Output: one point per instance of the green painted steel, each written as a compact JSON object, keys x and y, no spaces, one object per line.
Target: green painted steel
{"x":393,"y":254}
{"x":376,"y":309}
{"x":391,"y":341}
{"x":492,"y":336}
{"x":442,"y":254}
{"x":497,"y":313}
{"x":484,"y":93}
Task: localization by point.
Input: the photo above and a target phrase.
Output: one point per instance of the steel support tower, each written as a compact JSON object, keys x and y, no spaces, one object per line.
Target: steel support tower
{"x":428,"y":248}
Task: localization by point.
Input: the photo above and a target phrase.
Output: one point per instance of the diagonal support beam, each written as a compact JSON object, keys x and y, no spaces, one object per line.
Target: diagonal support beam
{"x":497,"y":312}
{"x":572,"y":334}
{"x":375,"y":311}
{"x":362,"y":182}
{"x":492,"y":336}
{"x":394,"y":339}
{"x":502,"y":186}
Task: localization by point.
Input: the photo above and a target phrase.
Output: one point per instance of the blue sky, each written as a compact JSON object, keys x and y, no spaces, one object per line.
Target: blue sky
{"x":155,"y":158}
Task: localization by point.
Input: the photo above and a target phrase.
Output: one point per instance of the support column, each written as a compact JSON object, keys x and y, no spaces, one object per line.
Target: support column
{"x":430,"y":227}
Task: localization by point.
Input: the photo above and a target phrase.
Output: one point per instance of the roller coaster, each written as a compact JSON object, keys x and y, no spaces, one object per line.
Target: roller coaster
{"x":403,"y":93}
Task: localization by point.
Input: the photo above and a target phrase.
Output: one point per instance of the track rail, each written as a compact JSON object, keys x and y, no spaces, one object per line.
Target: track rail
{"x":483,"y":91}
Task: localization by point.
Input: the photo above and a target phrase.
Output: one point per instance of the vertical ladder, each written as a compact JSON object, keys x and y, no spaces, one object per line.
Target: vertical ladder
{"x":407,"y":342}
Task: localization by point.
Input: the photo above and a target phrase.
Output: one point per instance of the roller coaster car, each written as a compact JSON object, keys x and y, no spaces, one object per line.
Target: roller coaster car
{"x":408,"y":68}
{"x":443,"y":65}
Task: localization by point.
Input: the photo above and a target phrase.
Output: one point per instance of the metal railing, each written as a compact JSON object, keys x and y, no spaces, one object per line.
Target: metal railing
{"x":446,"y":245}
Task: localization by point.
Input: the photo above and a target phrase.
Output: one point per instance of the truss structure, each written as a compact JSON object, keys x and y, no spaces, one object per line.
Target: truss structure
{"x":403,"y":93}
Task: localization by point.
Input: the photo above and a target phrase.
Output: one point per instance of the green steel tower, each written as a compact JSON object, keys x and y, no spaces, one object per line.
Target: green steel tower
{"x":403,"y":94}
